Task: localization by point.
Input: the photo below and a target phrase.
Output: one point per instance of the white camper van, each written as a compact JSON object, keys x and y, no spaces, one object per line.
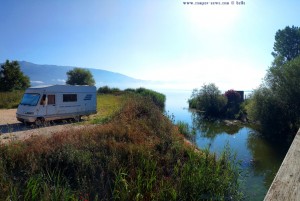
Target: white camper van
{"x":46,"y":103}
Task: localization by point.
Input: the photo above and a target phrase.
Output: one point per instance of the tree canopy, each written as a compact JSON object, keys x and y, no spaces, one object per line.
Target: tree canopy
{"x":287,"y":43}
{"x":80,"y":76}
{"x":12,"y":78}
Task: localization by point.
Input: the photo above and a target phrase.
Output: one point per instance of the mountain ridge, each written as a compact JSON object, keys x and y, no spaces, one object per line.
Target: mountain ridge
{"x":44,"y":74}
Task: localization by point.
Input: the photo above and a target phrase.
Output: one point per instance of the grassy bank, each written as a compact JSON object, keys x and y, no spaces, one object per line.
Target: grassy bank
{"x":137,"y":154}
{"x":107,"y":106}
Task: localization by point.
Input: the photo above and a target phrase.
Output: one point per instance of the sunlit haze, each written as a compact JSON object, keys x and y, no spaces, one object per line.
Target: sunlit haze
{"x":181,"y":45}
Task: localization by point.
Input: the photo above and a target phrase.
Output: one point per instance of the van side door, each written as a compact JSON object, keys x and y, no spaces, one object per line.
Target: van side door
{"x":51,"y":104}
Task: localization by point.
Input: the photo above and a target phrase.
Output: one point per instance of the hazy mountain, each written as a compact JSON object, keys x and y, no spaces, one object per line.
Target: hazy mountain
{"x":52,"y":74}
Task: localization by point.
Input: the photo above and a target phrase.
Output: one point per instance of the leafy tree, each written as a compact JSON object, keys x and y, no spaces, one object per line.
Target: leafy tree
{"x":208,"y":99}
{"x":80,"y":76}
{"x":276,"y":103}
{"x":287,"y":44}
{"x":12,"y":78}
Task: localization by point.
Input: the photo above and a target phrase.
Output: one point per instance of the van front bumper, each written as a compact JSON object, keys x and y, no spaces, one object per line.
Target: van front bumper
{"x":24,"y":118}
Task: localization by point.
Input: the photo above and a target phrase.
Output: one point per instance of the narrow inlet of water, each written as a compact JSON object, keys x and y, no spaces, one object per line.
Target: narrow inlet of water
{"x":258,"y":159}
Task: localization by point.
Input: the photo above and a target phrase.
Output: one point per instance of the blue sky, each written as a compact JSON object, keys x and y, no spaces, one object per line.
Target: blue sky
{"x":162,"y":40}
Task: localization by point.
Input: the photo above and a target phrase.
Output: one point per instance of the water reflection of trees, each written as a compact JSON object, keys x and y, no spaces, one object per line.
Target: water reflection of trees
{"x":267,"y":157}
{"x":212,"y":128}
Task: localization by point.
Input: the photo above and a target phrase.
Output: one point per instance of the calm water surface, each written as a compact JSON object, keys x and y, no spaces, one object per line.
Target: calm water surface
{"x":259,"y":159}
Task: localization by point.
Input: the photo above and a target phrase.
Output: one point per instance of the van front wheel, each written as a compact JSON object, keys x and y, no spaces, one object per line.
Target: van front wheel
{"x":77,"y":118}
{"x":39,"y":121}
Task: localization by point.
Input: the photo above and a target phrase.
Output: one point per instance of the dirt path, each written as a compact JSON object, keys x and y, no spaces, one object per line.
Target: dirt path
{"x":8,"y":116}
{"x":11,"y":129}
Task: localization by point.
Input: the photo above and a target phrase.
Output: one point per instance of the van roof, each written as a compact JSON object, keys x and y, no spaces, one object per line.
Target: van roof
{"x":63,"y":88}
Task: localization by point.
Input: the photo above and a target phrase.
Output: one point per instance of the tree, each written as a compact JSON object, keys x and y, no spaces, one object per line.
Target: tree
{"x":276,"y":103}
{"x":80,"y":76}
{"x":12,"y":78}
{"x":287,"y":44}
{"x":208,"y":99}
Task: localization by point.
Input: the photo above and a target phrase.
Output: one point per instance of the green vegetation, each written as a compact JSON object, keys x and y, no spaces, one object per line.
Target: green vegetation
{"x":233,"y":106}
{"x":12,"y":78}
{"x":107,"y":106}
{"x":108,"y":90}
{"x":80,"y":76}
{"x":215,"y":105}
{"x":157,"y":98}
{"x":208,"y":99}
{"x":275,"y":104}
{"x":137,"y":155}
{"x":10,"y":100}
{"x":185,"y":130}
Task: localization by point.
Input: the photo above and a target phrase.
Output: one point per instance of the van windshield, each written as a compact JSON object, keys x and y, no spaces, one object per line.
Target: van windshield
{"x":30,"y":99}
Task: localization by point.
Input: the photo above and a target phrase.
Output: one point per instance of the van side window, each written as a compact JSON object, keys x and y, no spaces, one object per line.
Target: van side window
{"x":69,"y":97}
{"x":43,"y":100}
{"x":51,"y":99}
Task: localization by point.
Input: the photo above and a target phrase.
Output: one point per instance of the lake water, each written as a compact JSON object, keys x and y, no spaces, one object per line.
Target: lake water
{"x":259,"y":159}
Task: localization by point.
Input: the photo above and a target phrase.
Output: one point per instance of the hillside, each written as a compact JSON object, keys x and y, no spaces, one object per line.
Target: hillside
{"x":53,"y":74}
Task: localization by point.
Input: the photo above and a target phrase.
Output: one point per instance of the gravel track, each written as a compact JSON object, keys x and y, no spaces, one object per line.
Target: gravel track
{"x":11,"y":129}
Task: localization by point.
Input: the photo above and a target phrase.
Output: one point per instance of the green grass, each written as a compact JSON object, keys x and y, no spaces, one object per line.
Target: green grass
{"x":138,"y":154}
{"x":107,"y":106}
{"x":10,"y":100}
